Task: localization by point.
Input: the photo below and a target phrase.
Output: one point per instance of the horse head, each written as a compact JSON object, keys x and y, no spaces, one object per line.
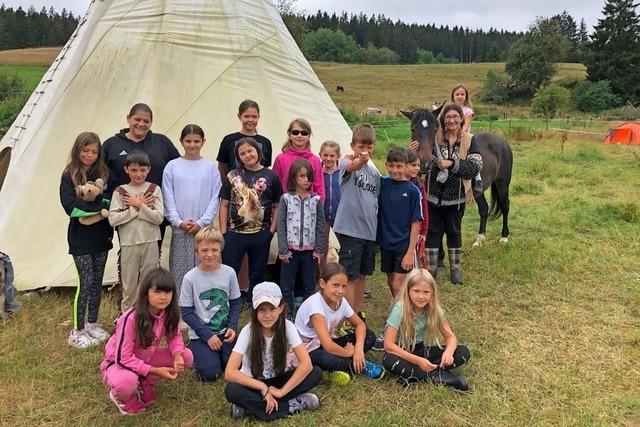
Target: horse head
{"x":424,"y":124}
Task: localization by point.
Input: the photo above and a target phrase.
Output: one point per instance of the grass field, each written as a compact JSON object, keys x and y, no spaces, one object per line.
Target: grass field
{"x":552,"y":318}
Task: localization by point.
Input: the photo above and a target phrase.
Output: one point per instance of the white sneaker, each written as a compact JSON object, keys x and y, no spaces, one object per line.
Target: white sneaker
{"x":304,"y":402}
{"x":95,"y":331}
{"x":80,"y":340}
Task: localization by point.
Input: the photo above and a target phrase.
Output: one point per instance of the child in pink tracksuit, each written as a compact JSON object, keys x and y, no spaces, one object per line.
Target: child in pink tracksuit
{"x":146,"y":347}
{"x":298,"y":146}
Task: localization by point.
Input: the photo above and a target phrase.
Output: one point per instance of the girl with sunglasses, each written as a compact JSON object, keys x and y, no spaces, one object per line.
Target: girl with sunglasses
{"x":298,"y":146}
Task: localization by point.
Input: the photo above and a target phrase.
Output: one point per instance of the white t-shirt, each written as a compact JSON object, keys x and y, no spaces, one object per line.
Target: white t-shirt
{"x":242,"y":347}
{"x":315,"y":304}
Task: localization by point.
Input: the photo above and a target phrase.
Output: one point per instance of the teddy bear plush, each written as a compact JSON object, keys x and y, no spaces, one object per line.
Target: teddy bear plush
{"x":89,"y":192}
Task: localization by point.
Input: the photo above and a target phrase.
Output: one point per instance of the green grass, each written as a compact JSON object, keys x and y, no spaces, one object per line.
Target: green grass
{"x":30,"y":74}
{"x":551,"y":318}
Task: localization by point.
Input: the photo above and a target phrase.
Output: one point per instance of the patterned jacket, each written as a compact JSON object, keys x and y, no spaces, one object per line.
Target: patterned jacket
{"x":300,"y":224}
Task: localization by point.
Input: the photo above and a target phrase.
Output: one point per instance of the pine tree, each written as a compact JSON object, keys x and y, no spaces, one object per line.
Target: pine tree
{"x":614,"y":51}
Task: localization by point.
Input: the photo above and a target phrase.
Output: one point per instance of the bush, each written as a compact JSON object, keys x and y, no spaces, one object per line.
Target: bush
{"x":373,"y":55}
{"x":549,"y":99}
{"x":10,"y":86}
{"x":9,"y":110}
{"x":425,"y":57}
{"x":332,"y":46}
{"x":589,"y":96}
{"x":496,"y":88}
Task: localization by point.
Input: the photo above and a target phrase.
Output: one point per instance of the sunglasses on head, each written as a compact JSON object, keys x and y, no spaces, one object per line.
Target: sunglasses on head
{"x":296,"y":132}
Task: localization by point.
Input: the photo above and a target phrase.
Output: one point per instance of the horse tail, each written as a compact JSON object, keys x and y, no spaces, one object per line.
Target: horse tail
{"x":494,"y":210}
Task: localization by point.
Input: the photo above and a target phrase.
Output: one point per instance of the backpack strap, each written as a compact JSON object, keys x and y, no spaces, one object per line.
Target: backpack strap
{"x":122,"y":191}
{"x":150,"y":190}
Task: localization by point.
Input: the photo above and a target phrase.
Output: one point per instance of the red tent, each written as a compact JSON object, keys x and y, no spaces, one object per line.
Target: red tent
{"x":626,"y":133}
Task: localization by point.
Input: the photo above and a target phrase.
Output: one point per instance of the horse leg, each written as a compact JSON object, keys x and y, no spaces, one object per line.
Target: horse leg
{"x":483,"y":209}
{"x":504,"y":207}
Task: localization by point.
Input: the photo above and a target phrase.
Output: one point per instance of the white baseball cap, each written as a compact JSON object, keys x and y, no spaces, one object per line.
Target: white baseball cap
{"x":266,"y":292}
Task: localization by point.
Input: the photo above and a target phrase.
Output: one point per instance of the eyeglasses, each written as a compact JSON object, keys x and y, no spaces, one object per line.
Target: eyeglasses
{"x":296,"y":132}
{"x":452,"y":118}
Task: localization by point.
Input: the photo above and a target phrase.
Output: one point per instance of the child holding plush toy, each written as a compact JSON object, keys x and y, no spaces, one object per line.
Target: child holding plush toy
{"x":88,"y":235}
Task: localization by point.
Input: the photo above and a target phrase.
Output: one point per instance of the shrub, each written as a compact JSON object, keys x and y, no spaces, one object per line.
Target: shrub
{"x":10,"y":86}
{"x":332,"y":46}
{"x":373,"y":55}
{"x":589,"y":96}
{"x":496,"y":88}
{"x":549,"y":99}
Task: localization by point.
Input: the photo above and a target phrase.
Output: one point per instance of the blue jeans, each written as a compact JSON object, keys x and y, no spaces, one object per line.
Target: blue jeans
{"x":300,"y":261}
{"x":209,"y":364}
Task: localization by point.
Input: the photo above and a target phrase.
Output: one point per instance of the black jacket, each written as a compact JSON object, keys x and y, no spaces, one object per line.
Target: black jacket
{"x":84,"y":239}
{"x":157,"y":146}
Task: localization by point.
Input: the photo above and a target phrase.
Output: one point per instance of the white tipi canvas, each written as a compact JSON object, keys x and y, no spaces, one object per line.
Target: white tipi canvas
{"x":192,"y":61}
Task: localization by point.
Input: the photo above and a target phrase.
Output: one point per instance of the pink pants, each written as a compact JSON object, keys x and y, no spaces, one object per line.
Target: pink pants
{"x":123,"y":382}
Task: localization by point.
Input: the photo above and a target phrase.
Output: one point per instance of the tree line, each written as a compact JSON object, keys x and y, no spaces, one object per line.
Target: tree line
{"x":21,"y":29}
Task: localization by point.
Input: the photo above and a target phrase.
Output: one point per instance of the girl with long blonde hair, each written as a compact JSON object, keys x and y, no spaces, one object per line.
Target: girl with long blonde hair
{"x":412,"y":339}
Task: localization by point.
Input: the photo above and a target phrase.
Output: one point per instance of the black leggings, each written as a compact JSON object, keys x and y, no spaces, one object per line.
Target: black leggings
{"x":433,"y":354}
{"x":330,"y":362}
{"x":89,"y":292}
{"x":445,"y":220}
{"x":251,"y":399}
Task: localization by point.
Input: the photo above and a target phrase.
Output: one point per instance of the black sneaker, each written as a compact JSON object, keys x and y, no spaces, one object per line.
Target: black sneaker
{"x":237,"y":411}
{"x":449,"y":379}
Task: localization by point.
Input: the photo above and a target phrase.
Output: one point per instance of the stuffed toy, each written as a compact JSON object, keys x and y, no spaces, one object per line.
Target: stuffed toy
{"x":89,"y":193}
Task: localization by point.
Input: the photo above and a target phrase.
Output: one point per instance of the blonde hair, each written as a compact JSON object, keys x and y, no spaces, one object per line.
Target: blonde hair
{"x":332,"y":145}
{"x":467,"y":98}
{"x":304,"y":125}
{"x":364,"y":133}
{"x":210,"y":235}
{"x":435,"y":315}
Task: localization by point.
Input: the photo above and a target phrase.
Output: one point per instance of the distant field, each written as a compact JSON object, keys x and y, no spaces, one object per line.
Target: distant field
{"x":388,"y":87}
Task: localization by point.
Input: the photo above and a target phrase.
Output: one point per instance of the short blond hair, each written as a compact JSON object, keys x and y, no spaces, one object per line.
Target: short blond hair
{"x":332,"y":145}
{"x":210,"y":235}
{"x":364,"y":133}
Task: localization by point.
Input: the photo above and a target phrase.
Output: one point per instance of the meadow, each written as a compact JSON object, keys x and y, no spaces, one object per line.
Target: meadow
{"x":552,"y":318}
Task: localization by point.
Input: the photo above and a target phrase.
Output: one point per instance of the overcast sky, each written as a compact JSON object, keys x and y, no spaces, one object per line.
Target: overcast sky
{"x":501,"y":14}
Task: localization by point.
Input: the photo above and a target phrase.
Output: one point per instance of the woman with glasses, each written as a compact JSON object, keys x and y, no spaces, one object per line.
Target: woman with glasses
{"x":455,"y":161}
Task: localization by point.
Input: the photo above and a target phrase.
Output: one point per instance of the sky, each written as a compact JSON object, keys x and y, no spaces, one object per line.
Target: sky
{"x":513,"y":15}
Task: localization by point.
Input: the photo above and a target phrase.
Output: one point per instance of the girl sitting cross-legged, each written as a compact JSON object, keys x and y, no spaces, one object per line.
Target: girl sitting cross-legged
{"x":318,"y":322}
{"x":415,"y":320}
{"x":269,"y":373}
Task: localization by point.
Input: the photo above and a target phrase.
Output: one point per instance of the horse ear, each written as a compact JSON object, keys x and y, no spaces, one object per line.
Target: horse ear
{"x":437,"y":111}
{"x":407,"y":114}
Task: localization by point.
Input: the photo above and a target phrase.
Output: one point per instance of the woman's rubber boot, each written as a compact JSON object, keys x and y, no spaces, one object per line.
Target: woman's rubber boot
{"x":455,"y":254}
{"x":432,"y":256}
{"x":449,"y":379}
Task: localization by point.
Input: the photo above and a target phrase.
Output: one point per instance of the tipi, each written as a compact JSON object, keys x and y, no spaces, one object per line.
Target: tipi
{"x":191,"y":61}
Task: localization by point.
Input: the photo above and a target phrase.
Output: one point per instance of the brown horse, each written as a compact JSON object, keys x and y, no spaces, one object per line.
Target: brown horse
{"x":497,"y":163}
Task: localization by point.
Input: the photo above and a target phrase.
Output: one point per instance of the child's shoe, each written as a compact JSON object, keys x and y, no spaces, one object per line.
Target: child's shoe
{"x":95,"y":331}
{"x":339,"y":378}
{"x":80,"y":340}
{"x":379,"y":344}
{"x":131,"y":407}
{"x":373,"y":370}
{"x":147,"y":393}
{"x":367,"y":293}
{"x":237,"y":411}
{"x":304,"y":402}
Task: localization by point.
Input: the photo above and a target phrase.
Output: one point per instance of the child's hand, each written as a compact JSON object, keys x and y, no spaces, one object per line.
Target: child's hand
{"x":408,"y":261}
{"x":178,"y":363}
{"x":149,"y":200}
{"x":276,"y":392}
{"x":272,"y":403}
{"x":286,"y":257}
{"x":135,"y":201}
{"x":194,"y":229}
{"x":186,"y":226}
{"x":426,"y":366}
{"x":358,"y":360}
{"x":230,"y":335}
{"x":414,"y":145}
{"x":361,"y":159}
{"x":214,"y":343}
{"x":447,"y":359}
{"x":349,"y":349}
{"x":165,"y":372}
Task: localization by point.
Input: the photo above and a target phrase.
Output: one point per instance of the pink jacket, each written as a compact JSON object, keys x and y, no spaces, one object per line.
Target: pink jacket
{"x":283,"y":163}
{"x":122,"y":349}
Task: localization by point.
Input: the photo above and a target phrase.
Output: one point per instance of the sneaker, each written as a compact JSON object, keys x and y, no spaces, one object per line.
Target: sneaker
{"x":95,"y":331}
{"x":367,"y":293}
{"x":304,"y":402}
{"x":131,"y":407}
{"x":237,"y":411}
{"x":147,"y":393}
{"x":448,"y":379}
{"x":80,"y":340}
{"x":379,"y":345}
{"x":339,"y":378}
{"x":373,"y":370}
